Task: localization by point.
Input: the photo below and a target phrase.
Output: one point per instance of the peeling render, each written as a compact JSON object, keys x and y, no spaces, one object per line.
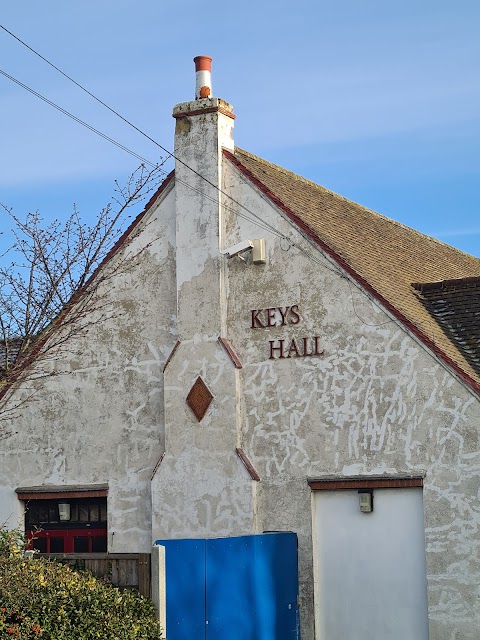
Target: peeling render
{"x":375,"y":403}
{"x":100,"y":419}
{"x":371,"y":400}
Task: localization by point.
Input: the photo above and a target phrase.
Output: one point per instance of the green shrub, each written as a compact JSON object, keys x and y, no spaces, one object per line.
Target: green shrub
{"x":43,"y":599}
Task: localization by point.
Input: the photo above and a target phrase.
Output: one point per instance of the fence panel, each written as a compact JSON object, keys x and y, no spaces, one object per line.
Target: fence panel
{"x":124,"y":570}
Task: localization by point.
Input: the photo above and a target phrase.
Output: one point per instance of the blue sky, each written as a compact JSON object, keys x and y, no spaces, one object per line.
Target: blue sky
{"x":378,"y":101}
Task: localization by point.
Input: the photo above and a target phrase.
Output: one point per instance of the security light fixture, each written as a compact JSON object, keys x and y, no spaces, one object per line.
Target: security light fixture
{"x":254,"y":249}
{"x":366,"y":500}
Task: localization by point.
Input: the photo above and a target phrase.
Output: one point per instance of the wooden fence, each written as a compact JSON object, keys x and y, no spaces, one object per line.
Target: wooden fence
{"x":124,"y":570}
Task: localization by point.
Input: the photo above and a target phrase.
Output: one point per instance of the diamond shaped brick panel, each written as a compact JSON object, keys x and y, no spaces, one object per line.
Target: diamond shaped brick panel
{"x":199,"y":398}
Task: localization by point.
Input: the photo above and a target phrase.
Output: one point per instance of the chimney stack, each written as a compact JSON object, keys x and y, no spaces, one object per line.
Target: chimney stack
{"x":203,"y":129}
{"x":203,"y":77}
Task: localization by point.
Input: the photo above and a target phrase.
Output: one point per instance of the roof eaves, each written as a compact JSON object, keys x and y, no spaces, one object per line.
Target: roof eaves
{"x":125,"y":235}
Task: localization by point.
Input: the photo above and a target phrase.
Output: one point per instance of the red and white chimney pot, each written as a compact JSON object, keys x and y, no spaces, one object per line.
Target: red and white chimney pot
{"x":203,"y":77}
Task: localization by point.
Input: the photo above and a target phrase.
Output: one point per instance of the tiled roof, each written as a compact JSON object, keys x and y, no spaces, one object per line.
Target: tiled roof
{"x":455,"y":305}
{"x":384,"y":256}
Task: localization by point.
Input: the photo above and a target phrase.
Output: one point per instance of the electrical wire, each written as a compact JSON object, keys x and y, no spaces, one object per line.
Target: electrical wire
{"x":80,"y":86}
{"x":368,"y":324}
{"x":145,"y":161}
{"x":169,"y":153}
{"x":251,"y":217}
{"x":65,"y":75}
{"x":255,"y":219}
{"x":82,"y":122}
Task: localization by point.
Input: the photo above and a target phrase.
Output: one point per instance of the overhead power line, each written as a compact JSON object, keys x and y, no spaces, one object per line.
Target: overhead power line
{"x":251,"y":217}
{"x":255,"y":219}
{"x":260,"y":223}
{"x":73,"y":117}
{"x":165,"y":150}
{"x":80,"y":86}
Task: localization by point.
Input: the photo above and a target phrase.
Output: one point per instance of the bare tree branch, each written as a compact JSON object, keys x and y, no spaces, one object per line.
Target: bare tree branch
{"x":50,"y":285}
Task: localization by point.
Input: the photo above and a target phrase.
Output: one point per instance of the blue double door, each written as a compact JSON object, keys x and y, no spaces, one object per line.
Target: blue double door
{"x":241,"y":588}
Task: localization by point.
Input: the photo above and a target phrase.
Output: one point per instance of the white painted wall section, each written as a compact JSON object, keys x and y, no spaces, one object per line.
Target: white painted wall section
{"x":370,"y":576}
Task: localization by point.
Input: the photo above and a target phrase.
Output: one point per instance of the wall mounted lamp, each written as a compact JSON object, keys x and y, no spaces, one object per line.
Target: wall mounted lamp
{"x":365,"y":498}
{"x":248,"y":251}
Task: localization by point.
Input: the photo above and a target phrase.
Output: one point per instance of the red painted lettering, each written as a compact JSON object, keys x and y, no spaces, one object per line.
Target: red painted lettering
{"x":317,"y":352}
{"x":256,"y":321}
{"x":293,"y":349}
{"x":271,"y":319}
{"x":283,"y":315}
{"x":274,"y":349}
{"x":295,"y":316}
{"x":305,"y":350}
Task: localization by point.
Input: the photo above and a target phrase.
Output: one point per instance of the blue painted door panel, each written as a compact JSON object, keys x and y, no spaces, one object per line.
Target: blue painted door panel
{"x":252,"y":587}
{"x":231,"y":598}
{"x":185,"y":586}
{"x":242,"y":588}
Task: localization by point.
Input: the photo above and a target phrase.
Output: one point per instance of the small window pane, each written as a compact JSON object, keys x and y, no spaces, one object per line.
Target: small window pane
{"x":53,"y":514}
{"x":40,"y":544}
{"x":94,"y":513}
{"x":83,"y":513}
{"x":56,"y":545}
{"x":43,"y":514}
{"x":32,"y":515}
{"x":80,"y":544}
{"x":99,"y":544}
{"x":74,"y":513}
{"x":103,"y":512}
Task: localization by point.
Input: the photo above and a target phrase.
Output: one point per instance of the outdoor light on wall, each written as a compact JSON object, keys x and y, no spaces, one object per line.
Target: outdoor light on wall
{"x":64,"y":511}
{"x":366,"y":500}
{"x":248,"y":251}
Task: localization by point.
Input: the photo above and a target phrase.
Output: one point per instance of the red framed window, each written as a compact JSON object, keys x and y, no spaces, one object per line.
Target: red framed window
{"x":68,"y":525}
{"x":69,"y":541}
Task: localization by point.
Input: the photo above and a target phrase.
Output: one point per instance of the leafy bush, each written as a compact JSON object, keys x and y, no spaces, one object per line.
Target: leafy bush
{"x":43,"y":599}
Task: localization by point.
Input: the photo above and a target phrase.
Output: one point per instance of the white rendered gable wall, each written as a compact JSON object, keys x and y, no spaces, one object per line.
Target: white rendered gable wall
{"x":374,"y":403}
{"x":201,"y":487}
{"x":199,"y":138}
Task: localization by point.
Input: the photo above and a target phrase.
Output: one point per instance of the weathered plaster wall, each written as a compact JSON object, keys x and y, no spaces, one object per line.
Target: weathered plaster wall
{"x":375,"y":402}
{"x":198,"y":142}
{"x":101,"y":419}
{"x":201,"y":488}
